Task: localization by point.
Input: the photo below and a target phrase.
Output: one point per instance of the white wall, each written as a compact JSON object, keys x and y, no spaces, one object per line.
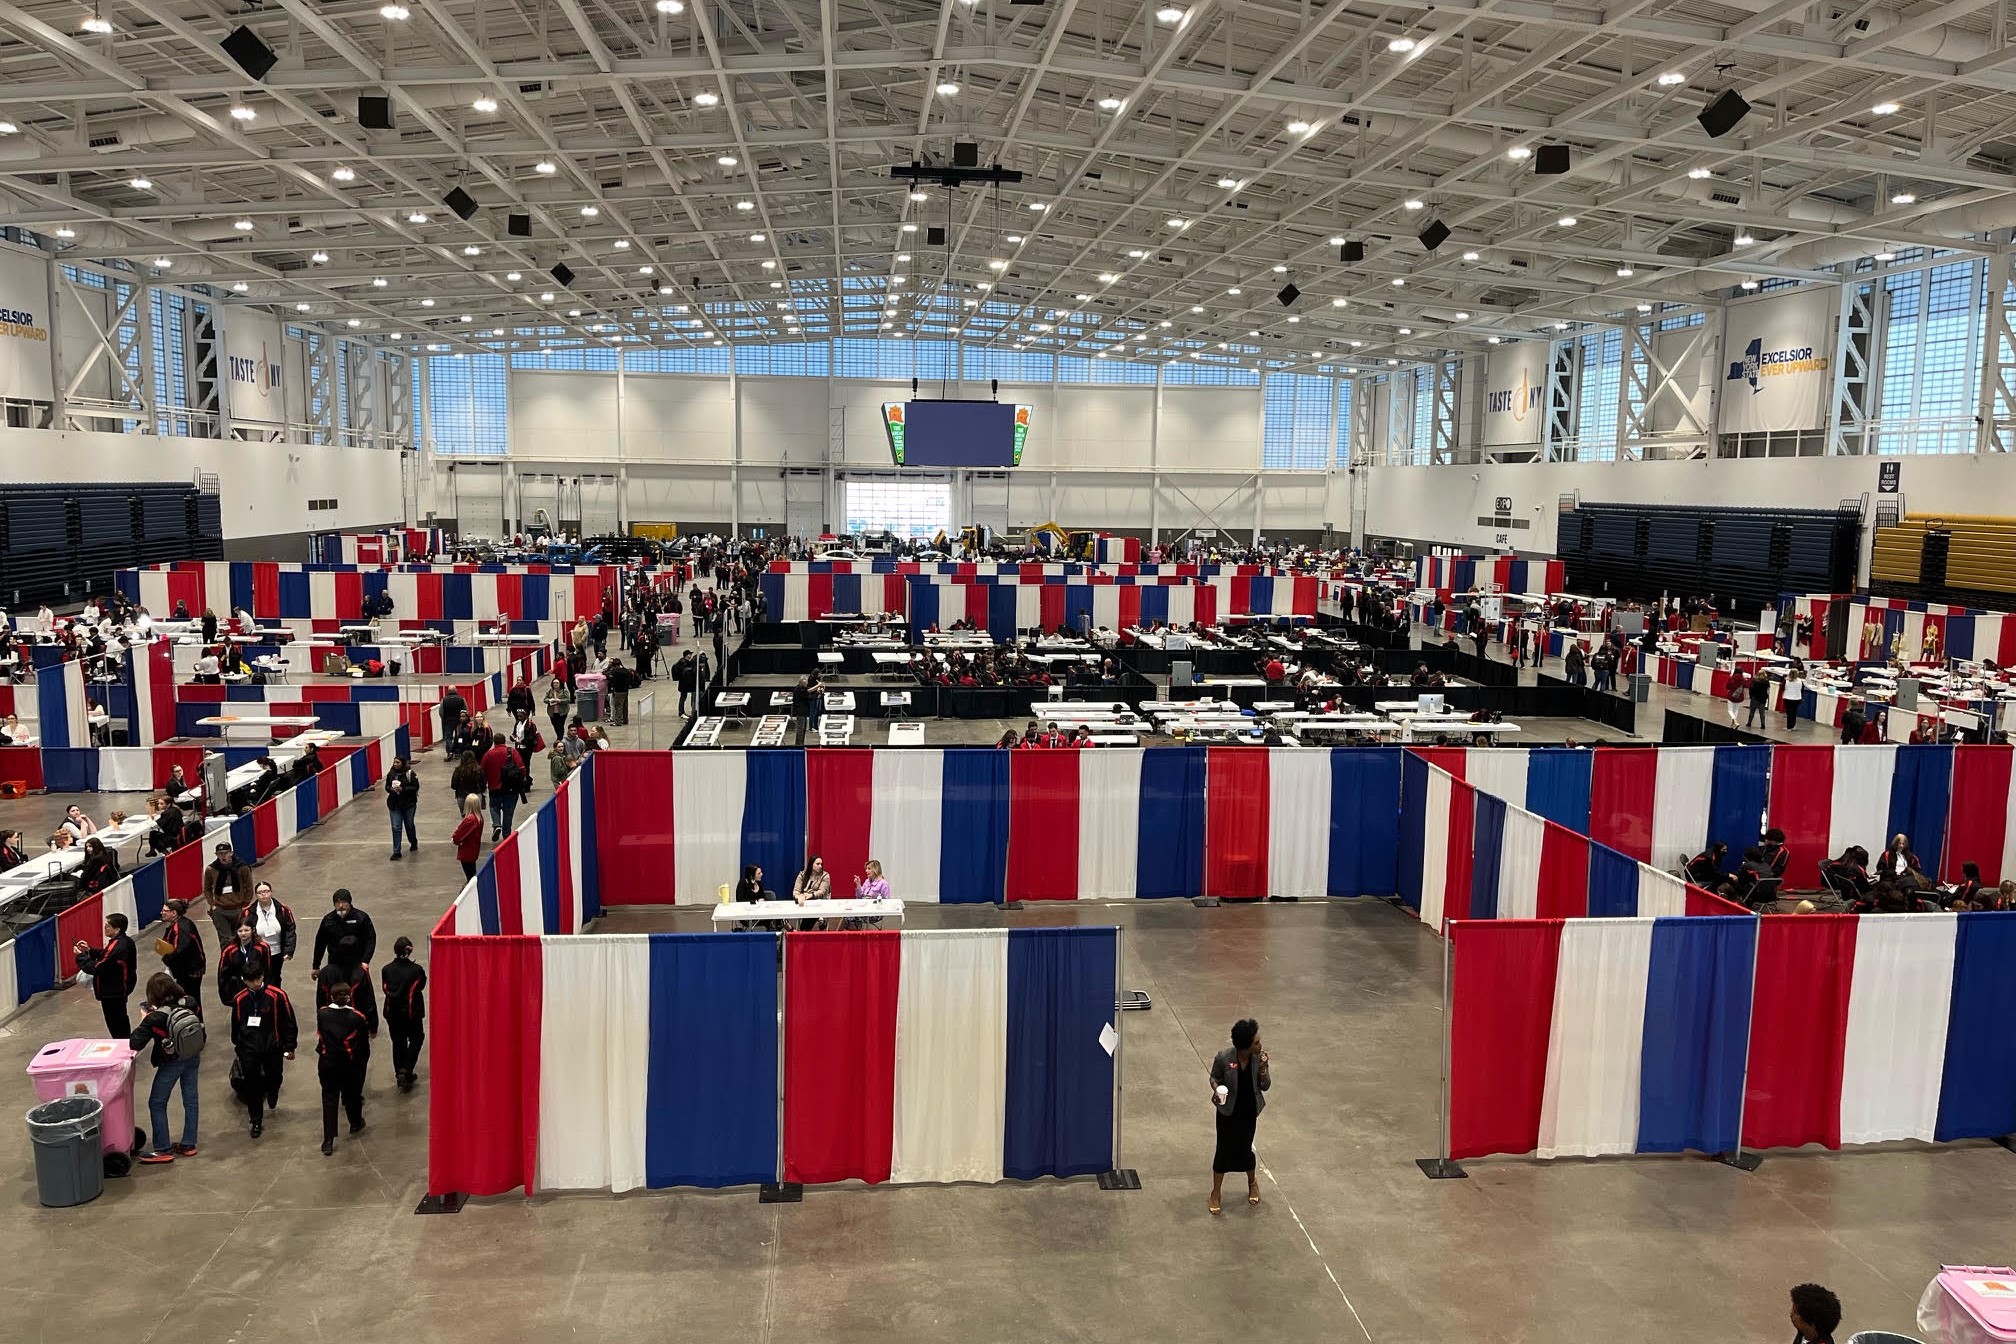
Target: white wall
{"x":264,"y":490}
{"x":1443,"y":504}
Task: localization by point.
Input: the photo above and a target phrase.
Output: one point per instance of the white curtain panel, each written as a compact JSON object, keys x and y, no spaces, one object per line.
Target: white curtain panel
{"x":951,"y":1056}
{"x":707,"y":789}
{"x":1298,"y":827}
{"x":906,"y":824}
{"x":1685,"y":781}
{"x":125,"y":769}
{"x":118,"y":897}
{"x":1590,"y":1106}
{"x":1898,"y":1004}
{"x":1498,"y":771}
{"x":1660,"y":893}
{"x":531,"y":902}
{"x":594,"y":1061}
{"x":1861,"y":814}
{"x":468,"y":911}
{"x":1519,"y":864}
{"x":1434,"y":850}
{"x":10,"y":985}
{"x":1109,"y":821}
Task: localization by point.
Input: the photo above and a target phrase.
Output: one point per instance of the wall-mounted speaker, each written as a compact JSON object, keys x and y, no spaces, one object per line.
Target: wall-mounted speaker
{"x":518,"y":226}
{"x":1288,"y":294}
{"x":1550,"y":160}
{"x":461,"y":202}
{"x":1353,"y":251}
{"x":374,"y":114}
{"x":253,"y":56}
{"x":1436,"y":234}
{"x":564,"y":274}
{"x":1720,"y":116}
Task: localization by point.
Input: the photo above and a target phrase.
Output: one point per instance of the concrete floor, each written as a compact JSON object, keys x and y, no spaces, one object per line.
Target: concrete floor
{"x":270,"y":1240}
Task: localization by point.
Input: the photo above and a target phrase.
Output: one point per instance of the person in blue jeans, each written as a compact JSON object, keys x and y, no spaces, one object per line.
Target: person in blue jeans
{"x":167,"y":1023}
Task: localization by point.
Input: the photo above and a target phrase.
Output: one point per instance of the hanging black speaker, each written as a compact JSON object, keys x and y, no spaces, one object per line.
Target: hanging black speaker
{"x":1550,"y":160}
{"x":934,"y":235}
{"x":518,"y":226}
{"x":1353,"y":251}
{"x":965,"y":154}
{"x":1288,"y":294}
{"x":461,"y":202}
{"x":1720,"y":116}
{"x":374,"y":114}
{"x":564,"y":274}
{"x":254,"y":57}
{"x":1436,"y":234}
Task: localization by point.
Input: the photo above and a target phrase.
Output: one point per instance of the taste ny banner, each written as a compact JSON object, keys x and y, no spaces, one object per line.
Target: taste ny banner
{"x":1777,"y":355}
{"x":1515,"y":394}
{"x":26,"y":370}
{"x":254,"y":356}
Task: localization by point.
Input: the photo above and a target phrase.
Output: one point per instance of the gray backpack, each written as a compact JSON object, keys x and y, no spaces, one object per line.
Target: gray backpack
{"x":186,"y":1033}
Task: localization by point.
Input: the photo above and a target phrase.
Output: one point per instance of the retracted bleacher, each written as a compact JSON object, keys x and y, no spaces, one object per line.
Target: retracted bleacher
{"x":1966,"y":560}
{"x":59,"y":542}
{"x":1744,"y":556}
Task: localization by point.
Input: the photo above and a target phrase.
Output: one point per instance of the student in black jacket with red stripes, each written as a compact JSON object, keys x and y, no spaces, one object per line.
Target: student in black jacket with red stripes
{"x":405,"y":986}
{"x":263,"y":1033}
{"x":343,"y":1050}
{"x":114,"y":971}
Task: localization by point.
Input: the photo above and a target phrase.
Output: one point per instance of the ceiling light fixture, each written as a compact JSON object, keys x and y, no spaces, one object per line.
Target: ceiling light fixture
{"x":1492,"y":340}
{"x":242,"y":225}
{"x":902,"y":256}
{"x":1743,"y":239}
{"x":1179,"y":223}
{"x":909,"y":228}
{"x":1234,"y":291}
{"x":140,"y":184}
{"x":1110,"y":104}
{"x":1470,"y":256}
{"x":920,"y":196}
{"x":1885,"y":255}
{"x":1567,"y":221}
{"x":727,"y":160}
{"x":240,"y":112}
{"x":1904,"y":198}
{"x":1518,"y":152}
{"x":240,"y":287}
{"x":1462,"y":317}
{"x":426,"y":303}
{"x":707,"y":98}
{"x":343,"y":175}
{"x":97,"y":25}
{"x":1401,"y":45}
{"x":162,"y":264}
{"x":1884,"y":109}
{"x":1670,"y":78}
{"x":590,"y":211}
{"x":417,"y":217}
{"x":1039,"y":205}
{"x":997,"y":265}
{"x":948,"y":89}
{"x":396,"y":13}
{"x":670,"y":7}
{"x":1340,"y":303}
{"x":1229,"y":184}
{"x":622,"y":244}
{"x":1625,"y":272}
{"x":1698,"y":173}
{"x":1644,"y":307}
{"x":758,"y":237}
{"x":318,"y":257}
{"x":300,"y":307}
{"x":1280,"y":269}
{"x":546,"y":166}
{"x":358,"y":322}
{"x":1107,"y":277}
{"x":1399,"y":282}
{"x":1299,"y":127}
{"x":66,"y":232}
{"x":1169,"y":14}
{"x":1410,"y":204}
{"x":485,"y":104}
{"x":379,"y":281}
{"x":1748,"y":284}
{"x":472,"y":251}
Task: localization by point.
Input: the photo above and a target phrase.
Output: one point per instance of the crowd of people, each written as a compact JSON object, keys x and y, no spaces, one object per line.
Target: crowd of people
{"x":1896,"y":883}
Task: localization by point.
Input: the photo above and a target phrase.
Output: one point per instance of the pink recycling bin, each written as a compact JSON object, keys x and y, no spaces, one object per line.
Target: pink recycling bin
{"x":94,"y":1068}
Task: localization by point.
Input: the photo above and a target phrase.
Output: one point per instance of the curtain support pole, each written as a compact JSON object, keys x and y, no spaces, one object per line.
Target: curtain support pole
{"x":1442,"y":1167}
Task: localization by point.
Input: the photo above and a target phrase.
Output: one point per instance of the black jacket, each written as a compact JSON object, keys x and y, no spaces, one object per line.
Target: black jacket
{"x":407,"y":796}
{"x":405,"y":985}
{"x":99,"y":873}
{"x":452,"y":708}
{"x":362,"y":997}
{"x":262,"y":1021}
{"x":289,"y":936}
{"x":342,"y":1037}
{"x":188,"y":960}
{"x":237,"y":961}
{"x":112,"y":969}
{"x":335,"y":925}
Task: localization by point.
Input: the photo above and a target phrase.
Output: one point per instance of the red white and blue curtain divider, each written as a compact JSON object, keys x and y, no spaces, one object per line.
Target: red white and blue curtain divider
{"x":39,"y":958}
{"x":1027,"y":571}
{"x":566,"y":1062}
{"x":1583,"y":1038}
{"x":1447,"y":574}
{"x":388,"y":546}
{"x":421,"y":593}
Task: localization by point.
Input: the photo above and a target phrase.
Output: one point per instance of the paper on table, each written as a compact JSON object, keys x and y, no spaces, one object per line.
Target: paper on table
{"x":1108,"y":1038}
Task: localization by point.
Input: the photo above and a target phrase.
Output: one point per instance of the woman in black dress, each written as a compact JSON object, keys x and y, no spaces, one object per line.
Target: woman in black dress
{"x":1239,"y":1083}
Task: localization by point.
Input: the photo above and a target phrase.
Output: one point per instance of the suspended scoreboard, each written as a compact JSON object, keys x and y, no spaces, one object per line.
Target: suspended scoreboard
{"x":956,"y":433}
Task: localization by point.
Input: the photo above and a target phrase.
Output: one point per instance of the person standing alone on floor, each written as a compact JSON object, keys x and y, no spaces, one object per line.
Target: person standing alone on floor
{"x":405,"y":986}
{"x":1239,"y":1084}
{"x":113,"y":971}
{"x":402,"y":801}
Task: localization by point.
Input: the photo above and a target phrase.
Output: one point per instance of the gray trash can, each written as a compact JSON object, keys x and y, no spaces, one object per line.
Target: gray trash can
{"x":68,"y":1167}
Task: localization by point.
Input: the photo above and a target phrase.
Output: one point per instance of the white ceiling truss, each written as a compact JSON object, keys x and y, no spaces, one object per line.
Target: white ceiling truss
{"x":741,"y":152}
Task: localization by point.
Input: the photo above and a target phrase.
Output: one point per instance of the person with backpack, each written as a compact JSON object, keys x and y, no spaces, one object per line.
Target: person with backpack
{"x":504,"y":777}
{"x":402,"y":801}
{"x":343,"y":1053}
{"x":175,"y":1031}
{"x":263,"y":1035}
{"x":180,"y":947}
{"x":405,"y":984}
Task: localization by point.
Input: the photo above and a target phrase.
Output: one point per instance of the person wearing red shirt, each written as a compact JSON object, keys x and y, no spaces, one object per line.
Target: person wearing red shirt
{"x":468,"y":836}
{"x":503,"y":769}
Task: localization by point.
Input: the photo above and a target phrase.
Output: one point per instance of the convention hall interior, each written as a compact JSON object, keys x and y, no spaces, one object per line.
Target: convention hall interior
{"x":898,"y":593}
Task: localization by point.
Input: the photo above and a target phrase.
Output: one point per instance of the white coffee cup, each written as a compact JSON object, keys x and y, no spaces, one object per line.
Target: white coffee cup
{"x":1223,"y":1092}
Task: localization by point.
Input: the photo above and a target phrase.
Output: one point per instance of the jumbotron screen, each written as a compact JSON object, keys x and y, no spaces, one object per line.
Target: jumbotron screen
{"x":956,"y":433}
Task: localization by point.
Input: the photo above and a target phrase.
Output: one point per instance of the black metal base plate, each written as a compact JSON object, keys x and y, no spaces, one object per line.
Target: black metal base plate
{"x":1204,"y":902}
{"x":1124,"y":1178}
{"x":1741,"y":1159}
{"x":790,"y":1192}
{"x":1441,"y":1169}
{"x":451,"y":1202}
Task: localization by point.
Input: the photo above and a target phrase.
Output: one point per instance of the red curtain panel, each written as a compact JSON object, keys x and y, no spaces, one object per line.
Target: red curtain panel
{"x":1799,"y":1030}
{"x":483,"y":1056}
{"x":1501,"y":1013}
{"x":1236,"y":805}
{"x":1043,"y":825}
{"x":840,"y":1055}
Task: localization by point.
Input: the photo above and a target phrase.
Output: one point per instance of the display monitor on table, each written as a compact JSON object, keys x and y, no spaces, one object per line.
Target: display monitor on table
{"x":956,"y":433}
